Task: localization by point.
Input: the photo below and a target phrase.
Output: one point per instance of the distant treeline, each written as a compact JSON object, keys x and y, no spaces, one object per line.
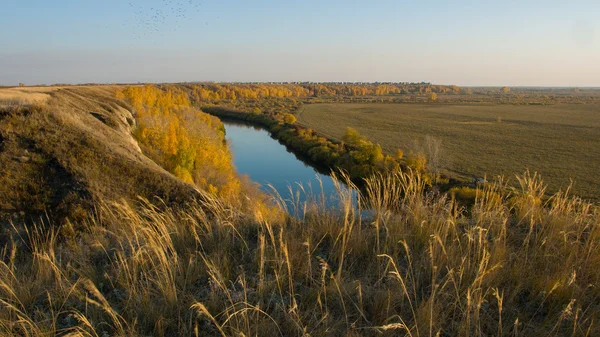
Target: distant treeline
{"x":250,"y":94}
{"x":215,"y":92}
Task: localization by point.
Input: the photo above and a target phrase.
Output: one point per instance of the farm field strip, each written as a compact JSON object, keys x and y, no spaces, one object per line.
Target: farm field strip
{"x":561,"y":142}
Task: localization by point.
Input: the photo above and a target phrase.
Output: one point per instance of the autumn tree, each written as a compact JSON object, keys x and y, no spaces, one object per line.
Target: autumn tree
{"x":184,"y":140}
{"x":289,"y":119}
{"x":432,"y":97}
{"x":506,"y":90}
{"x":119,"y":94}
{"x":417,"y":161}
{"x":352,"y":137}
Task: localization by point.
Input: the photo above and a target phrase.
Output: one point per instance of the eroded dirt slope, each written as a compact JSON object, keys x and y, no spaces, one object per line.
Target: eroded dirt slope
{"x":60,"y":157}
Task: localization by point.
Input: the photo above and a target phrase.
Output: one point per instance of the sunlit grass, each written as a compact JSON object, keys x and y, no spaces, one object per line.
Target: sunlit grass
{"x":23,"y":96}
{"x":418,"y":265}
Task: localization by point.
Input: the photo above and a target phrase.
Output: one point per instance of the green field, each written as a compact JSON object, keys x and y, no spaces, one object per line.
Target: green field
{"x":561,"y":142}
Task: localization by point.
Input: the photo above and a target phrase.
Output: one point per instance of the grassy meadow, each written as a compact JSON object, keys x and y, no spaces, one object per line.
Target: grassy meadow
{"x":560,"y":141}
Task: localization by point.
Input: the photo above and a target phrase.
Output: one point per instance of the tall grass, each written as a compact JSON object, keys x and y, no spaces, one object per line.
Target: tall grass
{"x":417,"y":265}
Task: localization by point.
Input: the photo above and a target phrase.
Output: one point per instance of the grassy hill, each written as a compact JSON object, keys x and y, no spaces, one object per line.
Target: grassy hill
{"x":61,"y":157}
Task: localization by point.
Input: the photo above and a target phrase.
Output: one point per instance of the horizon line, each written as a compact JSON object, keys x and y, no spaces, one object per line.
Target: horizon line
{"x":58,"y":84}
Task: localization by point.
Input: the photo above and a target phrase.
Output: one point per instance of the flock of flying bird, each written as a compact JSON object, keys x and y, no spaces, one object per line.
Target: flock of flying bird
{"x":169,"y":14}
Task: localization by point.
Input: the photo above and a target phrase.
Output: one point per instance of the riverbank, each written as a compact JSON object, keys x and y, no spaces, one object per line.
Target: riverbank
{"x":329,"y":155}
{"x":307,"y":161}
{"x":320,"y":151}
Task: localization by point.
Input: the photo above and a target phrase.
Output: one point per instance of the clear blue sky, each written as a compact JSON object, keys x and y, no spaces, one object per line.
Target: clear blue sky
{"x":549,"y":43}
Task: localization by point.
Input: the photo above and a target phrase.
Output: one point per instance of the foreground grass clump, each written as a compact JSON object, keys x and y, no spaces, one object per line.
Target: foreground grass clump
{"x":417,"y":266}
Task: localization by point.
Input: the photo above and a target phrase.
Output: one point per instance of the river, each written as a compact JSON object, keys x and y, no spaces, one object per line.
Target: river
{"x":269,"y":163}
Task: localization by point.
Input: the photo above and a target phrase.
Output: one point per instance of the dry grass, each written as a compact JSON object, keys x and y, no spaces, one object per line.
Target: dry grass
{"x":24,"y":96}
{"x":509,"y":266}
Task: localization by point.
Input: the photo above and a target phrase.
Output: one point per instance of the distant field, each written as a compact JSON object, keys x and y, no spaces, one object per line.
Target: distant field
{"x":558,"y":141}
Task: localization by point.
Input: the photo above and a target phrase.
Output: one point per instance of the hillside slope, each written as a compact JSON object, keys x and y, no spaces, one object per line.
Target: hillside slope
{"x":64,"y":155}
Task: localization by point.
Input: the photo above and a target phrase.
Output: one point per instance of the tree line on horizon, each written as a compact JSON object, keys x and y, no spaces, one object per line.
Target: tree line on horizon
{"x":226,"y":91}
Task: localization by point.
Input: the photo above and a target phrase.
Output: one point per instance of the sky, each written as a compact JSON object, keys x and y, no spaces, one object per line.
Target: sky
{"x":468,"y":43}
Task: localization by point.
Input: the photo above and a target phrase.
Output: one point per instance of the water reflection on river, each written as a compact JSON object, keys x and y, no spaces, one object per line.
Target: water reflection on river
{"x":269,"y":163}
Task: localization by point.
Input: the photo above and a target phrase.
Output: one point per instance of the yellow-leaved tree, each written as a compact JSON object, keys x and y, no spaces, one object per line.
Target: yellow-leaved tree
{"x":289,"y":119}
{"x":186,"y":141}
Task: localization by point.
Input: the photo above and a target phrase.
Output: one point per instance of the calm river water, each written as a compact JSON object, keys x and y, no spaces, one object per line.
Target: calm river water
{"x":268,"y":162}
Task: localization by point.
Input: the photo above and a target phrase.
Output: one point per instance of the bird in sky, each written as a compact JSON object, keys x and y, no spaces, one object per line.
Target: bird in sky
{"x":169,"y":16}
